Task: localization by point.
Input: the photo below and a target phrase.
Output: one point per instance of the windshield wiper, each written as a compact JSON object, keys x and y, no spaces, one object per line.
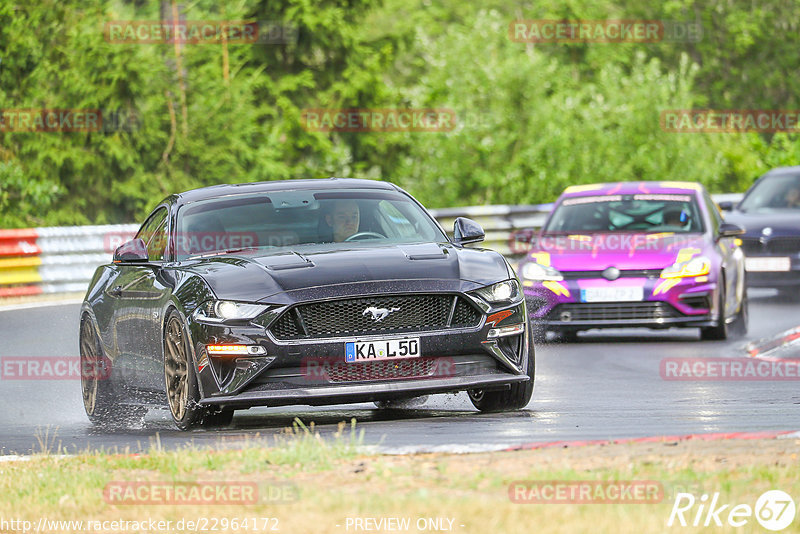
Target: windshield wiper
{"x":221,"y":252}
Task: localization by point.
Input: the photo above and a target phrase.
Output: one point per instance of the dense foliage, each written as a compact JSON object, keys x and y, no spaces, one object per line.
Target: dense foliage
{"x":532,"y":118}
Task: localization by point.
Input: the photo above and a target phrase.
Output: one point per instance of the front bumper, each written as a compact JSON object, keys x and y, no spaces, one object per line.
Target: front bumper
{"x":687,"y":302}
{"x":774,"y":279}
{"x":314,"y":371}
{"x":363,"y":392}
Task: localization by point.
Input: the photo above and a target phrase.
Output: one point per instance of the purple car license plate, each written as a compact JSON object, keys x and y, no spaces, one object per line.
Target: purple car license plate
{"x":612,"y":294}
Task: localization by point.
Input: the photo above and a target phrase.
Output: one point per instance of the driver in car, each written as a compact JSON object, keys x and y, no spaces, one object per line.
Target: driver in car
{"x":793,"y":197}
{"x":343,"y":219}
{"x":675,"y":217}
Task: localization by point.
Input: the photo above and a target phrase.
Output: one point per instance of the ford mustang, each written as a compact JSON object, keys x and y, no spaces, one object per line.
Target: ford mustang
{"x":300,"y":292}
{"x":640,"y":254}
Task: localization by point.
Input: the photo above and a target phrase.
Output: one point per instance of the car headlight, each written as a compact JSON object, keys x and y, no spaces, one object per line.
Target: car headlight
{"x":537,"y":271}
{"x":507,"y":292}
{"x":219,"y":311}
{"x":694,"y":267}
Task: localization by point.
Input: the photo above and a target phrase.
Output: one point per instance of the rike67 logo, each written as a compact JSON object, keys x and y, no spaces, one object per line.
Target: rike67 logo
{"x":774,"y":510}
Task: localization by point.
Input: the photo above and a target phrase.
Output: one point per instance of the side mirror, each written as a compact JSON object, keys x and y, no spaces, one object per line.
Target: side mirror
{"x":133,"y":250}
{"x":726,"y":205}
{"x":467,"y":231}
{"x":730,"y":230}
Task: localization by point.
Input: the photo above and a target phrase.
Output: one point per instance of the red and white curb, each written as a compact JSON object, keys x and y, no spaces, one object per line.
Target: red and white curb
{"x":765,"y":349}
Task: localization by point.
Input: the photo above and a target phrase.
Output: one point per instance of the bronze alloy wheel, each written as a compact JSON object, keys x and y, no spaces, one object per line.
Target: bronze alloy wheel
{"x":176,"y":367}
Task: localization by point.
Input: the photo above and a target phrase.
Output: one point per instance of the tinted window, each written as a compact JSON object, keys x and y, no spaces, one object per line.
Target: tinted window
{"x":625,"y":213}
{"x":294,"y":219}
{"x":154,"y":235}
{"x":773,"y":193}
{"x":149,"y":226}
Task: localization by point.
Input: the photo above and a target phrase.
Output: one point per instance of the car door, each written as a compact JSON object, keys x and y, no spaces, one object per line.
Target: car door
{"x":142,"y":294}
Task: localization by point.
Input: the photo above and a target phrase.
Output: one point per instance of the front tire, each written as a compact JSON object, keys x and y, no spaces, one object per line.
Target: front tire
{"x":180,"y":379}
{"x":515,"y":398}
{"x":718,"y":332}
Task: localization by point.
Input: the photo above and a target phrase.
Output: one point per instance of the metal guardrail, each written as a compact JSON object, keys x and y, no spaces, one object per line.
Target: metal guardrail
{"x":55,"y":259}
{"x":63,"y":259}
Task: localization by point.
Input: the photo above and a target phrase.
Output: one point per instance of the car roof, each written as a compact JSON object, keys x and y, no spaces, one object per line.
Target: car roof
{"x":783,"y":171}
{"x":221,"y":190}
{"x":632,"y":188}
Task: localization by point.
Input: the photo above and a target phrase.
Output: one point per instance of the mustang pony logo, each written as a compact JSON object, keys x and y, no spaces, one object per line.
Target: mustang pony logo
{"x":379,"y":314}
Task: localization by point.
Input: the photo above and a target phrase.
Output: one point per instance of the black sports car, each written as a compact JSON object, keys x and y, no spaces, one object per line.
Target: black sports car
{"x":300,"y":292}
{"x":770,"y":215}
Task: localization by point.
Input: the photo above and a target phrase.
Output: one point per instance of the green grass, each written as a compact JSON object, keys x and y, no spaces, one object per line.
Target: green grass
{"x":332,"y":479}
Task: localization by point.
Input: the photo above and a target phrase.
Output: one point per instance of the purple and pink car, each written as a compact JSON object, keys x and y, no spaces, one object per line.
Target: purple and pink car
{"x":636,"y":254}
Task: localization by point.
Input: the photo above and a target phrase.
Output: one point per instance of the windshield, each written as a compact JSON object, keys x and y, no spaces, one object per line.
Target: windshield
{"x":299,"y":219}
{"x":775,"y":193}
{"x":625,"y":213}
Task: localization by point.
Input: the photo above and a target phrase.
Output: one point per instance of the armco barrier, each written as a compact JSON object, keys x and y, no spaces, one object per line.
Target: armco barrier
{"x":54,"y":259}
{"x":63,"y":259}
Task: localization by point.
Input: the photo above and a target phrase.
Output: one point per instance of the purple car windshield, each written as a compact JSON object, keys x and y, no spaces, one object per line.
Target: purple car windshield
{"x":674,"y":213}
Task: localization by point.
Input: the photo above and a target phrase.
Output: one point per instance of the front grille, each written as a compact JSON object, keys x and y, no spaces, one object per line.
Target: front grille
{"x":628,"y":273}
{"x":465,"y":315}
{"x":783,"y":245}
{"x":382,"y":370}
{"x":775,"y":245}
{"x":752,"y":246}
{"x":286,"y":327}
{"x":349,"y":317}
{"x":616,"y":311}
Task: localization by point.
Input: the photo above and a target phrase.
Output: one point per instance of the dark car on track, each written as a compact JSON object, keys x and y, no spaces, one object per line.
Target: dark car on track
{"x":770,"y":215}
{"x":306,"y":292}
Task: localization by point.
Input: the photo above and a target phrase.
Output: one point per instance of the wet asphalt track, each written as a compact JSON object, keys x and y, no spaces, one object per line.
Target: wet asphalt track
{"x":605,"y":386}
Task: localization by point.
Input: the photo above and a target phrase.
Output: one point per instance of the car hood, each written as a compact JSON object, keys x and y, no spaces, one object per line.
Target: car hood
{"x":597,"y":252}
{"x":781,"y":224}
{"x":259,"y":275}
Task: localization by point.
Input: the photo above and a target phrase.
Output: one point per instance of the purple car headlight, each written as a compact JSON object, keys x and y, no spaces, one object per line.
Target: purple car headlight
{"x":538,"y":272}
{"x":698,"y":266}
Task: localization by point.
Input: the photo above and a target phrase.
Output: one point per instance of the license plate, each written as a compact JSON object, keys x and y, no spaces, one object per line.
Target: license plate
{"x":767,"y":264}
{"x":385,"y":349}
{"x":612,"y":294}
